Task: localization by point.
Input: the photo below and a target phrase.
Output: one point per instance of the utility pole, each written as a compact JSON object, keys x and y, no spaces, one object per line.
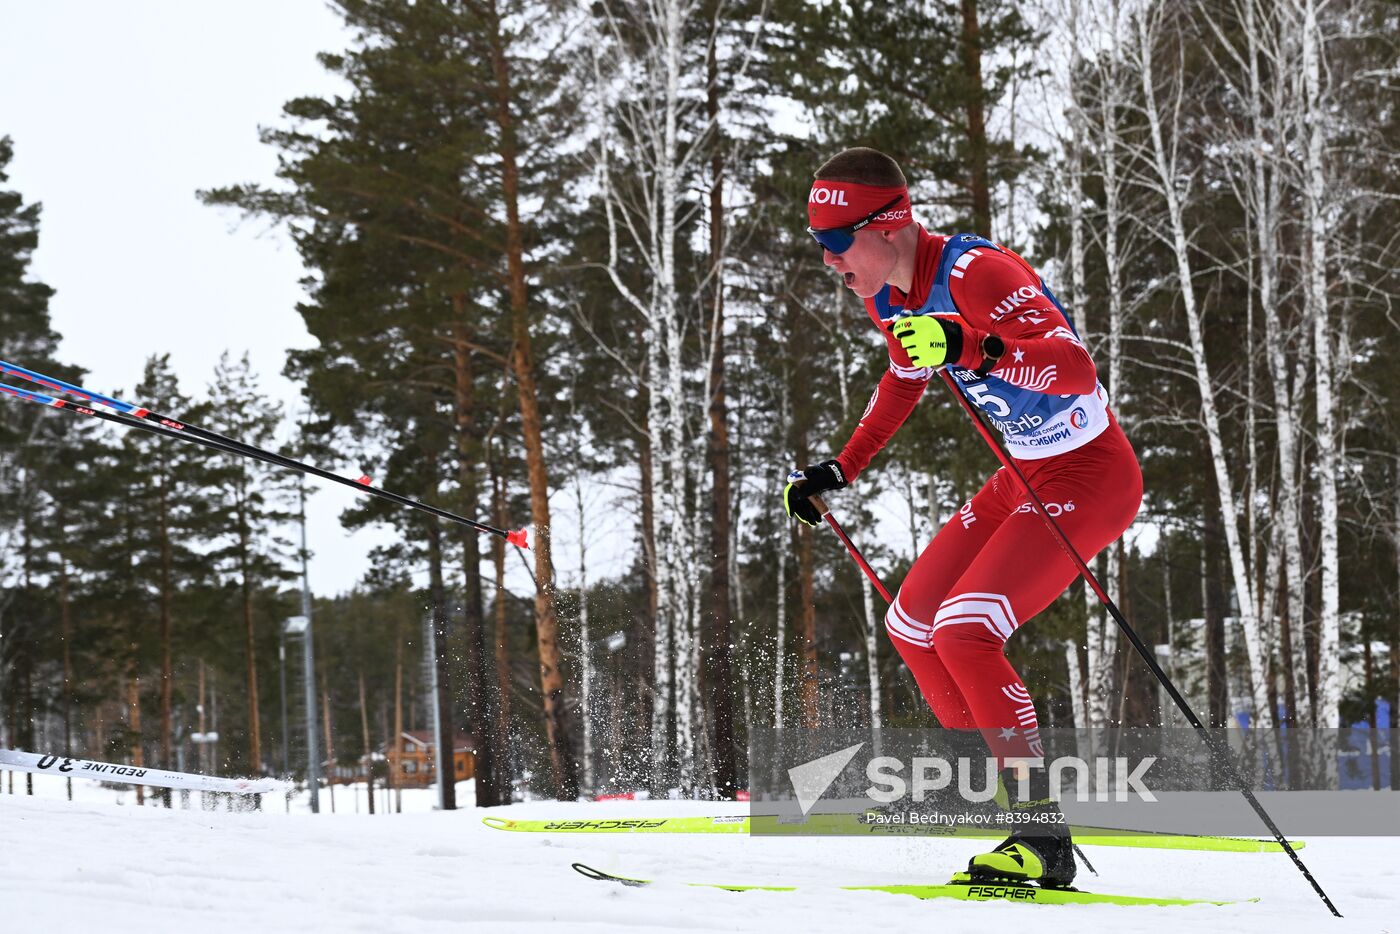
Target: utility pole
{"x":282,"y":677}
{"x":430,"y":644}
{"x":313,"y":774}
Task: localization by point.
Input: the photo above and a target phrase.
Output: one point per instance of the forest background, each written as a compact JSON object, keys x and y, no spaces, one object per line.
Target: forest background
{"x":555,"y":255}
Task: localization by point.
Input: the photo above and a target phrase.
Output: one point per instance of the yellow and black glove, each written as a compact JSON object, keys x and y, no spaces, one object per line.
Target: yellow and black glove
{"x":929,"y":341}
{"x":808,"y":482}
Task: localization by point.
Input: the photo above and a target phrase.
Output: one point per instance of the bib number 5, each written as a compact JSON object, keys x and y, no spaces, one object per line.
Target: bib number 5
{"x":983,"y":397}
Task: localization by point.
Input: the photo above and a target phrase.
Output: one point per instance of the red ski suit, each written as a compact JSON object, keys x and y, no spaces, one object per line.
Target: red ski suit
{"x":995,"y":564}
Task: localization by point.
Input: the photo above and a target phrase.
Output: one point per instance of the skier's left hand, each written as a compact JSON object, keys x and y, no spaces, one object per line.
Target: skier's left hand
{"x":807,"y":482}
{"x":929,"y":341}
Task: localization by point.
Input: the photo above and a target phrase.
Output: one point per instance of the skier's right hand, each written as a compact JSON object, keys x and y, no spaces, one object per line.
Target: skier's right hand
{"x":809,"y":482}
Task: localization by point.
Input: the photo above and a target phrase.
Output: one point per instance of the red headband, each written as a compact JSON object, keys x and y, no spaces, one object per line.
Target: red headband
{"x":840,"y":204}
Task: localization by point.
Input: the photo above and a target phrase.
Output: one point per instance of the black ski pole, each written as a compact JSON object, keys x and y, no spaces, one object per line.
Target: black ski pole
{"x":1219,"y":755}
{"x":131,"y":416}
{"x":850,"y":546}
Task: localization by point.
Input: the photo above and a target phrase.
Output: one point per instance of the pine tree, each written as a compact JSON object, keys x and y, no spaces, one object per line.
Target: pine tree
{"x":445,"y":133}
{"x":921,"y":98}
{"x":254,"y":499}
{"x":30,"y":443}
{"x":177,"y":511}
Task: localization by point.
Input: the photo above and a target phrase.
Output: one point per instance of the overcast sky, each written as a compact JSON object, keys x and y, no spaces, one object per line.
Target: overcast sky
{"x":119,"y":112}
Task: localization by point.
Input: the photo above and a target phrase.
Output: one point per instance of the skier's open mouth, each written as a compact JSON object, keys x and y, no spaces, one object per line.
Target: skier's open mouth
{"x":849,"y":278}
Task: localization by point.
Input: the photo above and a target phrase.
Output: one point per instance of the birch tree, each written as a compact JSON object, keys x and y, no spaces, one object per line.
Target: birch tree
{"x":1100,"y":636}
{"x":1257,"y":66}
{"x":585,"y":643}
{"x":646,"y":46}
{"x":655,"y":125}
{"x":1319,"y":213}
{"x":1168,"y":177}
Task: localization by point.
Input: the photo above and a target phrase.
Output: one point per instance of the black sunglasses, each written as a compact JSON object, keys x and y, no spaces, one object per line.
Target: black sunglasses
{"x":839,"y":239}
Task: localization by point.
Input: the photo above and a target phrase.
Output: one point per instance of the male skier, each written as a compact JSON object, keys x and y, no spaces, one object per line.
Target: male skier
{"x":976,"y":308}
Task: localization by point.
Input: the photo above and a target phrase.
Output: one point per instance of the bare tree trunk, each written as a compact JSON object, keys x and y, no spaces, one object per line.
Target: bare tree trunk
{"x":807,"y":630}
{"x":1109,"y":156}
{"x":1105,"y":635}
{"x":807,"y":610}
{"x":715,"y":648}
{"x":396,"y":740}
{"x":1273,"y":582}
{"x":388,"y":773}
{"x":480,"y":673}
{"x":329,"y":770}
{"x":65,"y":623}
{"x":1395,"y":647}
{"x":980,"y":187}
{"x":657,"y":623}
{"x":133,"y":722}
{"x":1078,"y":707}
{"x":666,"y":140}
{"x":585,"y":640}
{"x":1137,"y":704}
{"x":504,"y":791}
{"x":1288,"y":652}
{"x":784,"y":550}
{"x":670,"y":36}
{"x":1170,"y":617}
{"x":1100,"y":649}
{"x":664,"y":619}
{"x":867,"y":590}
{"x":1100,"y":634}
{"x":368,"y":751}
{"x":1263,"y":194}
{"x":1370,"y":694}
{"x":201,"y":708}
{"x":1078,"y":281}
{"x":446,"y":738}
{"x":780,"y":645}
{"x":1317,"y":201}
{"x":1212,"y":601}
{"x":167,"y":677}
{"x":872,"y":650}
{"x":557,"y":727}
{"x":648,"y":525}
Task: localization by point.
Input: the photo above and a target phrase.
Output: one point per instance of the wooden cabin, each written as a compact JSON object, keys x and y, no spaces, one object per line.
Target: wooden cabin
{"x":413,"y":759}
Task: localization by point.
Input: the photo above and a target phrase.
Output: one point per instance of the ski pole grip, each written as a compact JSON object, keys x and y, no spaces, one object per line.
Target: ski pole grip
{"x":819,"y":503}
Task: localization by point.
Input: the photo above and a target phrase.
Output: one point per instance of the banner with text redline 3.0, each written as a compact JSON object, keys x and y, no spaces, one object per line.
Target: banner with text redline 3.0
{"x":18,"y":760}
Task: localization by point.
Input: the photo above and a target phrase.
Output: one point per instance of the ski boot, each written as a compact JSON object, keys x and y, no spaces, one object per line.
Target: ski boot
{"x":1039,"y":851}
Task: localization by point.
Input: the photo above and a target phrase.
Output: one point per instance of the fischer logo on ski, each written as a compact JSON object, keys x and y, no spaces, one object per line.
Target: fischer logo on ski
{"x":623,"y":824}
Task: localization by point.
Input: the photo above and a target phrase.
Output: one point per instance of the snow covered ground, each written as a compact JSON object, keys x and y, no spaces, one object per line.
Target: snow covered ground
{"x":95,"y":864}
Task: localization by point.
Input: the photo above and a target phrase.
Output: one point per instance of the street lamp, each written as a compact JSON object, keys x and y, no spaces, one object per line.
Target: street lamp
{"x":301,"y":626}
